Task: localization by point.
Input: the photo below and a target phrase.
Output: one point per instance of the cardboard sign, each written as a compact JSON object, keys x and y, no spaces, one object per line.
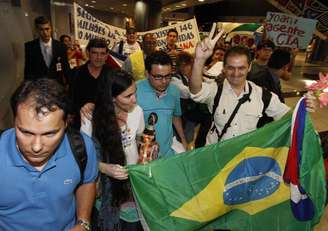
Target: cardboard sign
{"x":289,"y":31}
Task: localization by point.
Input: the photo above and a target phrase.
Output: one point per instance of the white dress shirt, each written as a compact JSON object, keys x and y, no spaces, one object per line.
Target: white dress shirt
{"x":46,"y":50}
{"x":248,"y":114}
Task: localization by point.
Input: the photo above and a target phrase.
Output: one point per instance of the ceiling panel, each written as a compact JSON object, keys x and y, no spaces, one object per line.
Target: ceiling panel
{"x":115,"y":6}
{"x":127,"y":6}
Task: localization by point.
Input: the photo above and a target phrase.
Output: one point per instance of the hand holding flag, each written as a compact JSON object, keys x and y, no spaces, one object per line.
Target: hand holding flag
{"x":320,"y":89}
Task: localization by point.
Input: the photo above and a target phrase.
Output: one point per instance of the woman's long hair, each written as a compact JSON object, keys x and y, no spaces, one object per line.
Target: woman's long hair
{"x":106,"y":128}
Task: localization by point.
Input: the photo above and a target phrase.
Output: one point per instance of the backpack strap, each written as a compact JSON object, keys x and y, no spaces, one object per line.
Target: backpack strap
{"x":242,"y":100}
{"x":140,"y":44}
{"x":266,"y":99}
{"x":216,"y":104}
{"x":182,"y":78}
{"x":120,"y":47}
{"x":77,"y":144}
{"x":217,"y":97}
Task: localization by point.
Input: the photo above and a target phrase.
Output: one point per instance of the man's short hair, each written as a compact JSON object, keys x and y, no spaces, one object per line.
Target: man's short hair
{"x":97,"y":43}
{"x":44,"y":93}
{"x":40,"y":21}
{"x":173,"y":30}
{"x":279,"y":59}
{"x":265,"y":44}
{"x":184,"y":58}
{"x":237,"y":51}
{"x":157,"y":57}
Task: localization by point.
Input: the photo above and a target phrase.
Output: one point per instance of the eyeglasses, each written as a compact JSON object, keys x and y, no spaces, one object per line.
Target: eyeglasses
{"x":161,"y":77}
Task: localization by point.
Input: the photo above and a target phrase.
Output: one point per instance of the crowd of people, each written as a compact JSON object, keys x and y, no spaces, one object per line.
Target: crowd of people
{"x":65,"y":90}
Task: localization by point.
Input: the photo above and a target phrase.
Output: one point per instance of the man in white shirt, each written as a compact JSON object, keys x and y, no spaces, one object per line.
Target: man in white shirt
{"x":129,"y":46}
{"x":236,"y":66}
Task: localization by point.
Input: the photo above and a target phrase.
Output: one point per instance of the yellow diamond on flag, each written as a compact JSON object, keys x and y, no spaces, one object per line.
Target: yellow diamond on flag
{"x":251,"y":181}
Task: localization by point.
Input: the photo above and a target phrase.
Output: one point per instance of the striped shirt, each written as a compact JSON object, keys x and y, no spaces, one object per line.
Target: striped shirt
{"x":173,"y":55}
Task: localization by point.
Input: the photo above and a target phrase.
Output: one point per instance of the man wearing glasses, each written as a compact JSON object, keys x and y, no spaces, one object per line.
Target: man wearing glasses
{"x":157,"y":95}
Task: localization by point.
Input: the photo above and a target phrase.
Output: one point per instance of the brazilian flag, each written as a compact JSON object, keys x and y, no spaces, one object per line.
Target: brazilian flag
{"x":236,"y":184}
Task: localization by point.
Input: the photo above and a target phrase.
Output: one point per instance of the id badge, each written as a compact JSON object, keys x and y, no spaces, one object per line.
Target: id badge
{"x":59,"y":67}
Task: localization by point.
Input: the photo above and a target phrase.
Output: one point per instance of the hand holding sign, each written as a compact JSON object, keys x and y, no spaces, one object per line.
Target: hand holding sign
{"x":204,"y":49}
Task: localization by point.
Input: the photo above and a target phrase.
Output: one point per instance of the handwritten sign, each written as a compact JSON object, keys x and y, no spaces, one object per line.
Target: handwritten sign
{"x":289,"y":31}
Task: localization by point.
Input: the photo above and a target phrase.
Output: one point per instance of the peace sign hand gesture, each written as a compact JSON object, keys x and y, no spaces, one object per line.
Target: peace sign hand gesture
{"x":204,"y":49}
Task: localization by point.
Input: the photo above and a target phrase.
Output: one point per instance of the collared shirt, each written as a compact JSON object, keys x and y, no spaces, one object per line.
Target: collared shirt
{"x":165,"y":106}
{"x":248,"y":114}
{"x":41,"y":200}
{"x":173,"y":56}
{"x":46,"y":50}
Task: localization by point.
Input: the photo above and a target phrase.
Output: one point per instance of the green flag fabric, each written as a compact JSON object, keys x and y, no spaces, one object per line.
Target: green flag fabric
{"x":235,"y":184}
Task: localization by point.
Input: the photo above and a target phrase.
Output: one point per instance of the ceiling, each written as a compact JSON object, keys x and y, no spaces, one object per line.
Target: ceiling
{"x":127,"y":6}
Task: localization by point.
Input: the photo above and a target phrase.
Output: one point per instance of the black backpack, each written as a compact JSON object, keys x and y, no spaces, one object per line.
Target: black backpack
{"x":77,"y":144}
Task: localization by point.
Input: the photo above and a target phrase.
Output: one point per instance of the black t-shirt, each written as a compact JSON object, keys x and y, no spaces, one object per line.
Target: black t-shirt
{"x":83,"y":90}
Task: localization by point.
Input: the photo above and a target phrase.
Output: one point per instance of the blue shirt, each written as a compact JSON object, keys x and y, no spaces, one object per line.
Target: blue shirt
{"x":165,"y":107}
{"x":40,"y":200}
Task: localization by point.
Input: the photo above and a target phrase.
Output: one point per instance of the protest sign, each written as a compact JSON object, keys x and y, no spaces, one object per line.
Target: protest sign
{"x":289,"y":31}
{"x":188,"y":35}
{"x":315,"y":9}
{"x":88,"y":27}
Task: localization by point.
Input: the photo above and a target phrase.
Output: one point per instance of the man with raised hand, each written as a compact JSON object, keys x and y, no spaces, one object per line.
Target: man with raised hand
{"x":235,"y":90}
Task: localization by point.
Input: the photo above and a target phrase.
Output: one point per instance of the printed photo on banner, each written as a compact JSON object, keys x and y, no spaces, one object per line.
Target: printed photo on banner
{"x":289,"y":31}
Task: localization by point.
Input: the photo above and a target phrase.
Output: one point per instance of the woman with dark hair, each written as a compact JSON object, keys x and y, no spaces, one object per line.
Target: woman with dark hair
{"x":213,"y":65}
{"x":217,"y":56}
{"x":116,"y":122}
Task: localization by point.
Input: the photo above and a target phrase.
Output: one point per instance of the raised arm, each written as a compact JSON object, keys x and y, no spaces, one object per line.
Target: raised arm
{"x":204,"y":50}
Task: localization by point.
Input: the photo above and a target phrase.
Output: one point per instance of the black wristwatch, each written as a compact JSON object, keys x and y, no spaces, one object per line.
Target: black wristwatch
{"x":84,"y":223}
